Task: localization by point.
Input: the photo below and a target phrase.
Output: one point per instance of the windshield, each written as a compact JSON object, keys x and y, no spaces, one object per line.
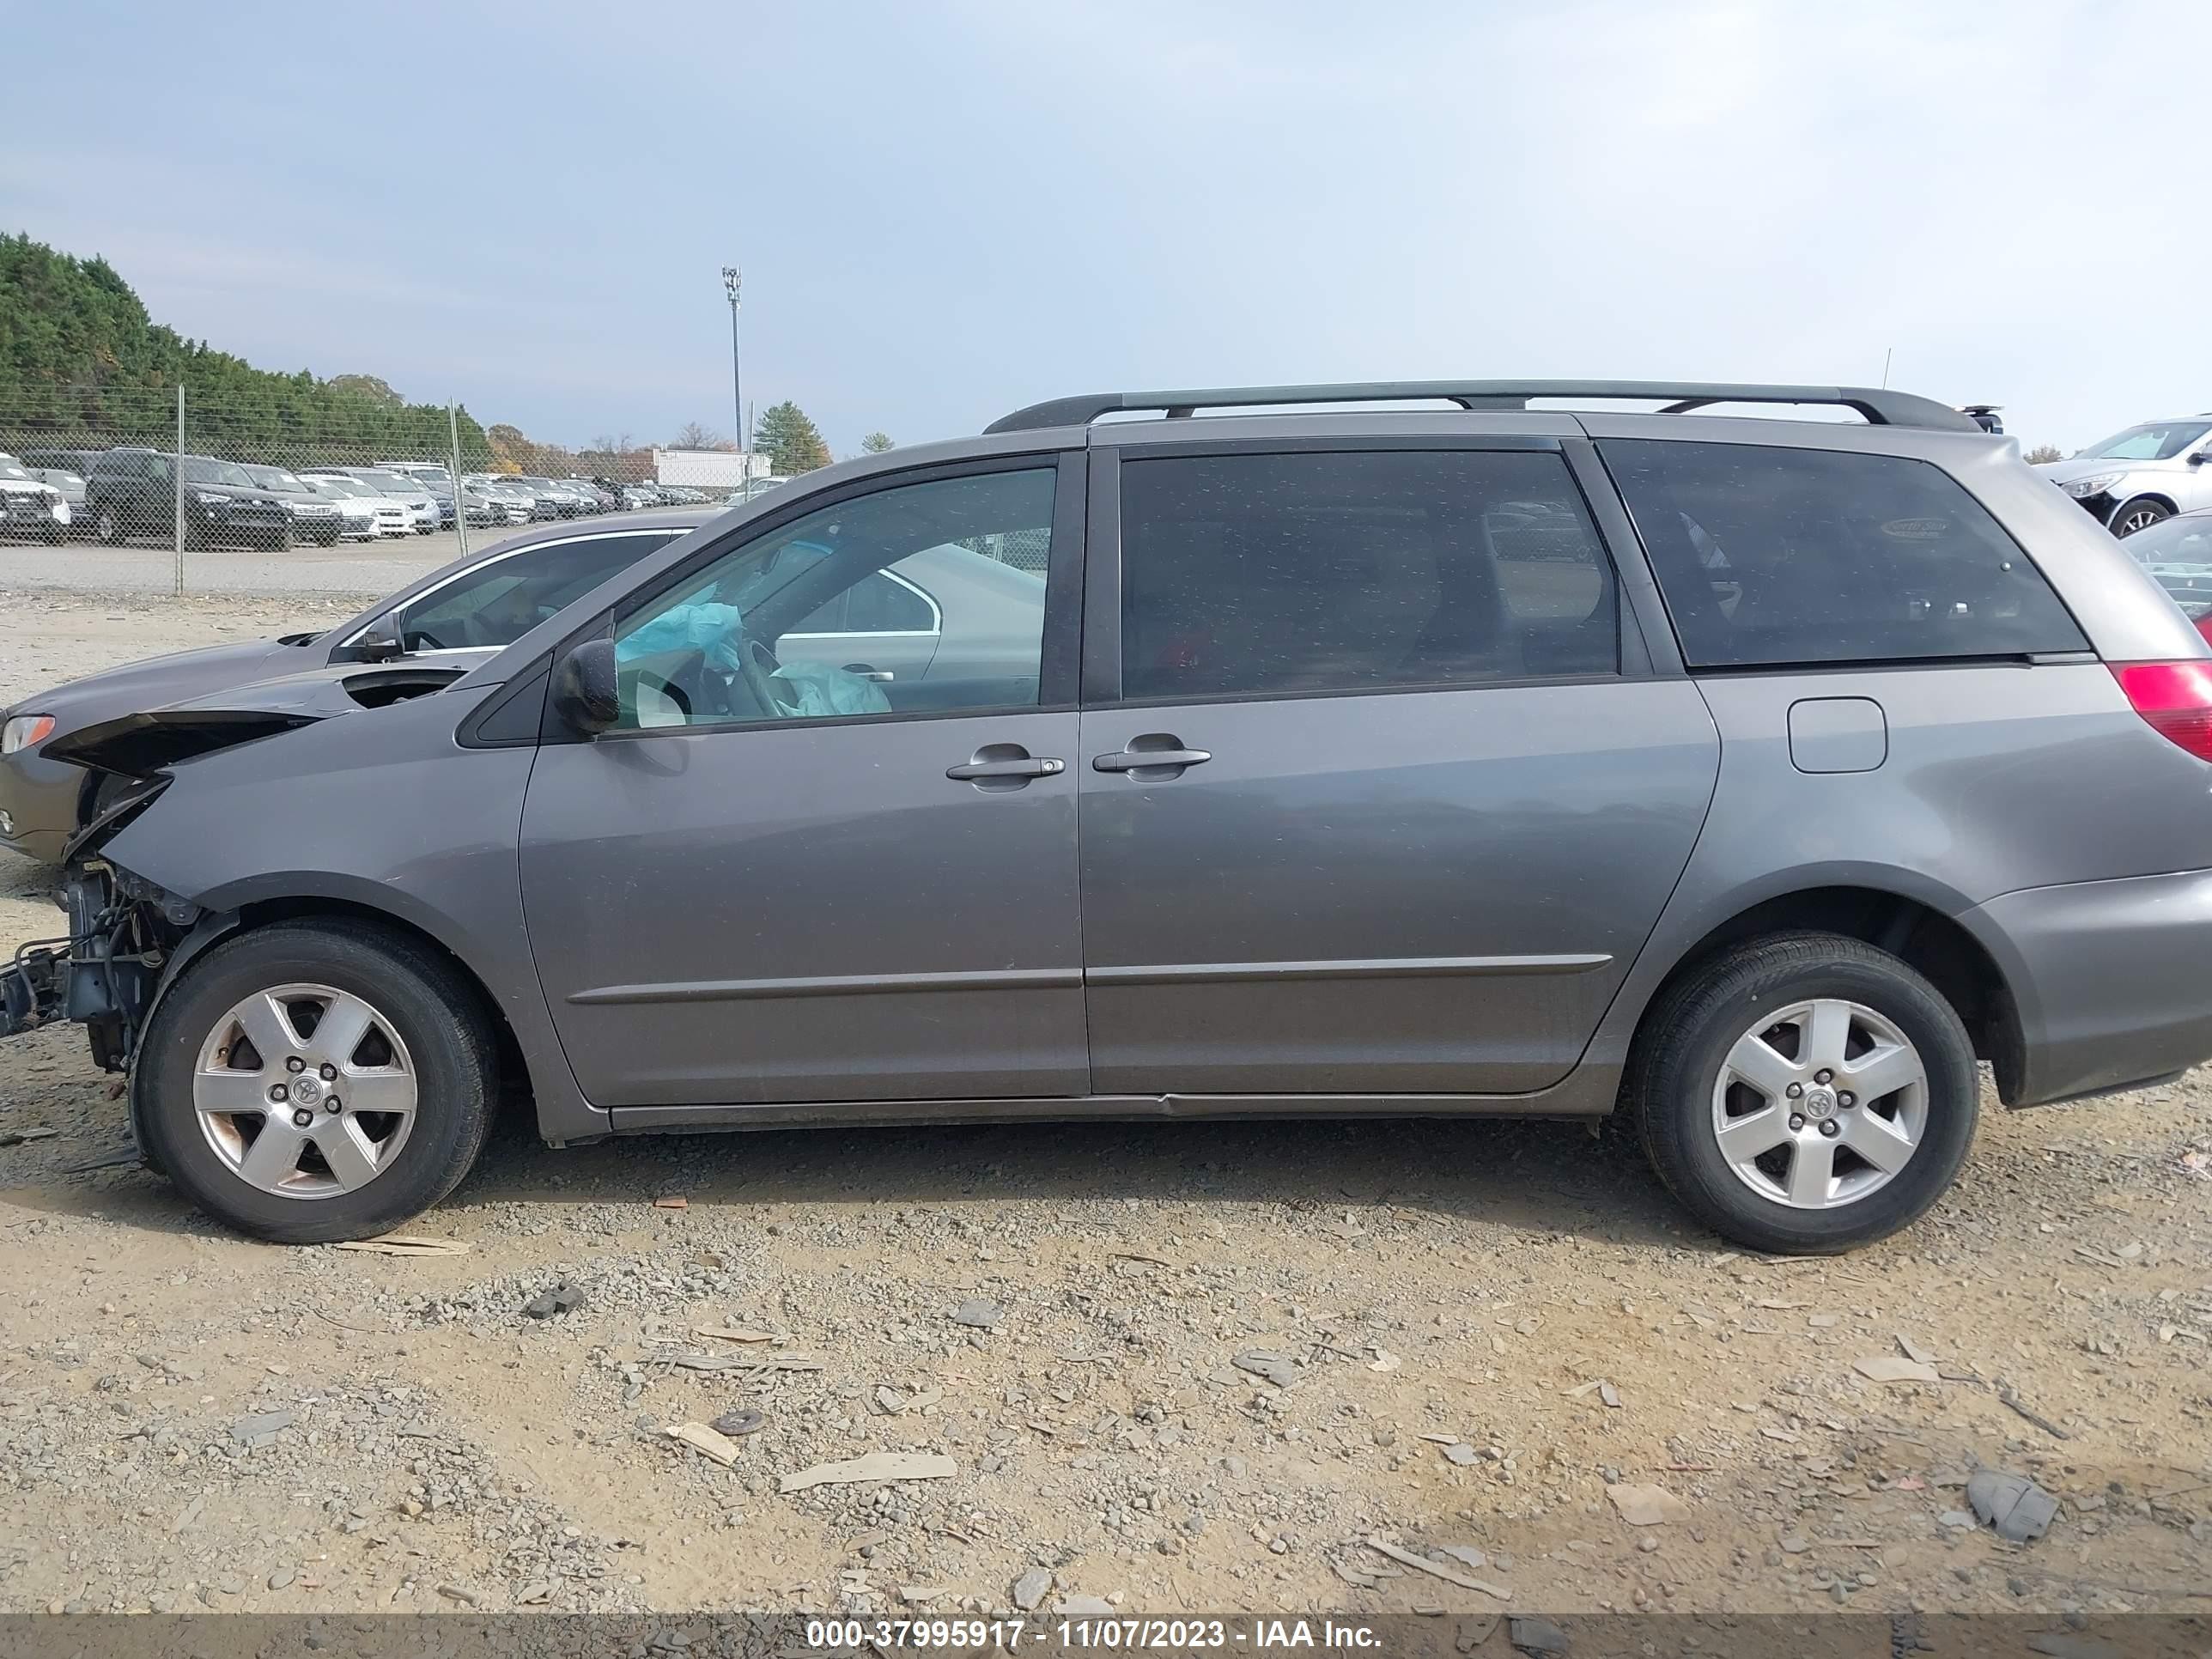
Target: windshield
{"x":9,"y":470}
{"x":429,"y":475}
{"x":273,"y":477}
{"x":344,"y":489}
{"x":200,"y":469}
{"x":389,"y":483}
{"x":2155,"y":441}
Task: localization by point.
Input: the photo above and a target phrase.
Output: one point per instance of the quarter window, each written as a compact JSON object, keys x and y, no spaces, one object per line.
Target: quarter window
{"x":1257,"y":575}
{"x":1770,"y":555}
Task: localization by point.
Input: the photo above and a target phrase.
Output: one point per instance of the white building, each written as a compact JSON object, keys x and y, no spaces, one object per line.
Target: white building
{"x":706,"y":469}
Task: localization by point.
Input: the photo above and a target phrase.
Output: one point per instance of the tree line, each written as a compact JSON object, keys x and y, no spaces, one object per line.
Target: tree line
{"x":79,"y":356}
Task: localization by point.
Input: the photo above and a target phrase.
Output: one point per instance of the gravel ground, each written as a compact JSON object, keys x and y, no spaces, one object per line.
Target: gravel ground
{"x":1176,"y":1366}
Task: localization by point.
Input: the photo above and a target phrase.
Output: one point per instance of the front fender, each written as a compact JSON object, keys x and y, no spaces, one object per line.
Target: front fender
{"x":380,"y":811}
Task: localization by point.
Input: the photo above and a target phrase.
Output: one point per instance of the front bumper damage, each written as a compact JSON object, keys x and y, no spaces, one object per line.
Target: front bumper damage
{"x":103,"y":973}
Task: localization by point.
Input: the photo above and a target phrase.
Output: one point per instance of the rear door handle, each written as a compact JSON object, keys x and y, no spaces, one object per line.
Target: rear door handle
{"x":1002,"y":766}
{"x":1153,"y":756}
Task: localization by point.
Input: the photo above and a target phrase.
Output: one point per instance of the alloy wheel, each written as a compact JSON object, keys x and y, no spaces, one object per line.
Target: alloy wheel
{"x":1820,"y":1105}
{"x":305,"y":1092}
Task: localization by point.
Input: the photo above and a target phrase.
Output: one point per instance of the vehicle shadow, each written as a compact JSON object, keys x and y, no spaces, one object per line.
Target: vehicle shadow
{"x":1547,"y":1178}
{"x":1533,"y":1176}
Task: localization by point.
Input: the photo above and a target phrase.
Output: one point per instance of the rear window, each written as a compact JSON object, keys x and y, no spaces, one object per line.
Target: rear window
{"x":1770,"y":555}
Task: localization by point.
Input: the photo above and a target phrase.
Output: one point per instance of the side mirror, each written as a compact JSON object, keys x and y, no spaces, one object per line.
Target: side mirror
{"x":378,"y":642}
{"x":2198,"y":457}
{"x":585,"y":695}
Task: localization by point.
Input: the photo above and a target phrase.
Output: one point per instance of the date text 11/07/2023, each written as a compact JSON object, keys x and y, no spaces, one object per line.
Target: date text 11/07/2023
{"x":1128,"y":1635}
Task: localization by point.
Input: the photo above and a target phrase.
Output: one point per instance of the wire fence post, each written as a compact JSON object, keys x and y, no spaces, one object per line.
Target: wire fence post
{"x":460,"y":504}
{"x":178,"y":468}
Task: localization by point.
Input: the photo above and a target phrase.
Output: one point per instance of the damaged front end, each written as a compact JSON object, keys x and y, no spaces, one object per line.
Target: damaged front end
{"x":123,"y":930}
{"x":103,"y":972}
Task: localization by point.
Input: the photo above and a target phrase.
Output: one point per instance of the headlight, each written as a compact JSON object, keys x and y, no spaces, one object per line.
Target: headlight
{"x":25,"y":730}
{"x":2096,"y":486}
{"x":206,"y":499}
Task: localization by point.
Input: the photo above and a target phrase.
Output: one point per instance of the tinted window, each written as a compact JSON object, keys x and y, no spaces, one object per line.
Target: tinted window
{"x":1797,"y":556}
{"x":497,"y":602}
{"x":1317,"y":572}
{"x":703,"y":653}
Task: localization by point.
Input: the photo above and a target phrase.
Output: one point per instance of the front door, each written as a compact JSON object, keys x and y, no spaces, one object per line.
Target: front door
{"x":1377,"y":811}
{"x":783,"y":881}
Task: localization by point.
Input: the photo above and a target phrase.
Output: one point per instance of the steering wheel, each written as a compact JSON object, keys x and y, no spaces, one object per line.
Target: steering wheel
{"x":758,"y":666}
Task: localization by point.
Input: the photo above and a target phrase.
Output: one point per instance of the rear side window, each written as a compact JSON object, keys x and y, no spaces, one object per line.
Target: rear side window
{"x":1263,"y":575}
{"x":1770,"y":555}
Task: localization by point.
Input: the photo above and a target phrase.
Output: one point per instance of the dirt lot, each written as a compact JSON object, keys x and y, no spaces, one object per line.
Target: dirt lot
{"x":1473,"y":1331}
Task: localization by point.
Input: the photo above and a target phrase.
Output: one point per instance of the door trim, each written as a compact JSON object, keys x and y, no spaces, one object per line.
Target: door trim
{"x":831,"y":985}
{"x":1349,"y":968}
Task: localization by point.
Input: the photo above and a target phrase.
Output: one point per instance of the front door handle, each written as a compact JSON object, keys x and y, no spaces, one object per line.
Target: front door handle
{"x":1002,"y":766}
{"x":1154,"y":756}
{"x":867,"y":673}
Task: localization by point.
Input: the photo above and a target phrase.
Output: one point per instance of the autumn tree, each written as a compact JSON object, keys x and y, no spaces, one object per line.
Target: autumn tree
{"x":692,"y":435}
{"x":876,"y":442}
{"x":792,"y":443}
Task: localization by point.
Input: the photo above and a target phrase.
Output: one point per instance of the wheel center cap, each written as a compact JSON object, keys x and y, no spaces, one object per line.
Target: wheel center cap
{"x":1819,"y":1104}
{"x":306,"y":1088}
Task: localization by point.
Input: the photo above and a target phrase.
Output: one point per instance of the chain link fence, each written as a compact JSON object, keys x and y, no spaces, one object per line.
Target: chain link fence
{"x":188,"y":473}
{"x":185,"y":473}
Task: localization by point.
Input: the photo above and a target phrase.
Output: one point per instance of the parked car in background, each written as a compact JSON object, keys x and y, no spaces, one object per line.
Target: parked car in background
{"x":364,"y":513}
{"x":458,"y":616}
{"x":315,"y":517}
{"x":30,"y":507}
{"x":132,"y":491}
{"x":636,"y":496}
{"x":78,"y":461}
{"x":70,"y":484}
{"x":2136,"y":477}
{"x":567,"y":503}
{"x":423,"y":512}
{"x":2177,"y":553}
{"x":525,"y":505}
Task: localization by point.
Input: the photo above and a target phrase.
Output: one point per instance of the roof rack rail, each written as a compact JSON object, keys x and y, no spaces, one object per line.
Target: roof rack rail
{"x":1880,"y":407}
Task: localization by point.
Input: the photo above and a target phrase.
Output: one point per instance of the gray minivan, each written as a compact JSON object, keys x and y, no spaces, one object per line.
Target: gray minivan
{"x":1753,"y":776}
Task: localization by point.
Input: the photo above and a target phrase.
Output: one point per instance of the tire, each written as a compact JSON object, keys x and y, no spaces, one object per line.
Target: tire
{"x":444,"y":1060}
{"x":326,"y":537}
{"x":1772,"y":989}
{"x":108,"y":528}
{"x":2139,"y":514}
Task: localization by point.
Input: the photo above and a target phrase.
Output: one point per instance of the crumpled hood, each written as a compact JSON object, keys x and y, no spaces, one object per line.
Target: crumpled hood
{"x":145,"y":741}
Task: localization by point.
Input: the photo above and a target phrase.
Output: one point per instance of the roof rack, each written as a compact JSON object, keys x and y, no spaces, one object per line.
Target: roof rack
{"x":1878,"y":407}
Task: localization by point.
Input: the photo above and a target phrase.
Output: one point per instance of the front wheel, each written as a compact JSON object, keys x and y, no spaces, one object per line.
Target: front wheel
{"x":1804,"y":1093}
{"x":2139,"y":514}
{"x":311,"y":1081}
{"x":108,"y":528}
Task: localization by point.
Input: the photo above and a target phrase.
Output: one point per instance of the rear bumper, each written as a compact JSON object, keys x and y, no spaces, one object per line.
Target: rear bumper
{"x":2111,"y":979}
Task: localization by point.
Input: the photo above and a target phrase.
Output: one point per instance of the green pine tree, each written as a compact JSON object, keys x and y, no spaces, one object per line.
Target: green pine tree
{"x":792,"y":443}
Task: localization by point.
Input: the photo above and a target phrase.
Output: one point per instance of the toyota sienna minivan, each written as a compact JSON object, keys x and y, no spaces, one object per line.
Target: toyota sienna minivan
{"x":1446,"y":756}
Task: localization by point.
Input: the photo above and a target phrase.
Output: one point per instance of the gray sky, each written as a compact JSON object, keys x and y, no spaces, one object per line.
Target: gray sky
{"x":945,"y":212}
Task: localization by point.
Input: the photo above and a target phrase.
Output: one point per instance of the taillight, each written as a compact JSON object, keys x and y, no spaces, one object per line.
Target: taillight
{"x":2175,"y":698}
{"x":2204,"y":627}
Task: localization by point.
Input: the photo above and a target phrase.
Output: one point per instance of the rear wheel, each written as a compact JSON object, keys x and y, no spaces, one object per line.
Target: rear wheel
{"x":108,"y":528}
{"x":1805,"y":1093}
{"x":312,"y":1081}
{"x":2139,"y":514}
